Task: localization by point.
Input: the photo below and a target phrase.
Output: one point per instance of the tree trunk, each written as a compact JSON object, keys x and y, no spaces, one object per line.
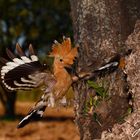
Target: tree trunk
{"x":131,"y":128}
{"x":101,"y":28}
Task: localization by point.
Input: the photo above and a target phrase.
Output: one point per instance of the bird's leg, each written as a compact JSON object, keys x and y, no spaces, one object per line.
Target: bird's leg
{"x":51,"y":100}
{"x":63,"y":101}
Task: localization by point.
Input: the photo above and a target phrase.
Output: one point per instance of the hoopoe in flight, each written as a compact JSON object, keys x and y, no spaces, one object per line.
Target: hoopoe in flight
{"x":26,"y":73}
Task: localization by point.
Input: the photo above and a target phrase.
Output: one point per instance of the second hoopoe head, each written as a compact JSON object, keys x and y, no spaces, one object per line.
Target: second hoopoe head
{"x":24,"y":72}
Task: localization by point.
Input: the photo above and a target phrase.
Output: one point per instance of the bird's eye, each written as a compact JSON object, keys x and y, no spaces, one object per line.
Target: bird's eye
{"x":61,"y":60}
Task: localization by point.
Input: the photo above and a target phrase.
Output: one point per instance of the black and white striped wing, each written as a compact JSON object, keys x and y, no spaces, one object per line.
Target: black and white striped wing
{"x":22,"y":72}
{"x":109,"y":67}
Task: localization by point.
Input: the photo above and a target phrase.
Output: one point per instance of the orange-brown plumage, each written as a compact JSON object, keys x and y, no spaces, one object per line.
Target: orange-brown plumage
{"x":64,"y":51}
{"x":64,"y":56}
{"x":26,"y":72}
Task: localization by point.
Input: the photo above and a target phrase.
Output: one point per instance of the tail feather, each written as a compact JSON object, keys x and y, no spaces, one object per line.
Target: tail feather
{"x":36,"y":112}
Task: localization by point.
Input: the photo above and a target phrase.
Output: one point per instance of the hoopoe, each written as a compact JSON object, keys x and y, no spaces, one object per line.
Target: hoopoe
{"x":25,"y":73}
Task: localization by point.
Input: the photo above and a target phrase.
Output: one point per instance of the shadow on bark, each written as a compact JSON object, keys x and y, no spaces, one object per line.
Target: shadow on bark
{"x":131,"y":128}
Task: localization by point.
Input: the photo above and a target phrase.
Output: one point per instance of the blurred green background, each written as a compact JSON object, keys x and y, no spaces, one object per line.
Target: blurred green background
{"x":37,"y":22}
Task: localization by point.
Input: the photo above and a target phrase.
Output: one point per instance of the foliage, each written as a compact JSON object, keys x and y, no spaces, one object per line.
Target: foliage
{"x":121,"y":119}
{"x":101,"y":95}
{"x":92,"y":102}
{"x":100,"y":90}
{"x":36,"y":22}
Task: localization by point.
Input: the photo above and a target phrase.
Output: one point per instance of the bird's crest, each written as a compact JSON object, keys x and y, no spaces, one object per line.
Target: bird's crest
{"x":64,"y":51}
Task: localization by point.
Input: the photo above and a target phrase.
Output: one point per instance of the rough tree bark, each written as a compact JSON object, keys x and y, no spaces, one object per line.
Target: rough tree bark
{"x":131,"y":128}
{"x":101,"y":28}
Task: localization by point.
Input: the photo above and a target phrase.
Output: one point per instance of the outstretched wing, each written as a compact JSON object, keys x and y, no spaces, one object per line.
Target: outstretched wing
{"x":115,"y":63}
{"x":22,"y":72}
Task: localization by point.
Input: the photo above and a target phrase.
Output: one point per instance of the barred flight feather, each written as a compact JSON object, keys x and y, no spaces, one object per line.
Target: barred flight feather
{"x":19,"y":50}
{"x":15,"y":73}
{"x":26,"y":72}
{"x":10,"y":54}
{"x":36,"y":112}
{"x":109,"y":67}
